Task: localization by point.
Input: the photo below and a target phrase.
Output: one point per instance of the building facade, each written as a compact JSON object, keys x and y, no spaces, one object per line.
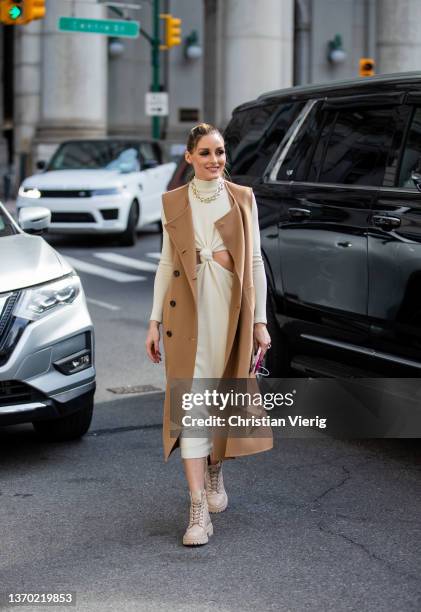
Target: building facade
{"x":59,"y":85}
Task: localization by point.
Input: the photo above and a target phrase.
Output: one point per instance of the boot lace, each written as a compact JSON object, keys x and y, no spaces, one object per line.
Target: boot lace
{"x":196,"y":512}
{"x":214,"y":477}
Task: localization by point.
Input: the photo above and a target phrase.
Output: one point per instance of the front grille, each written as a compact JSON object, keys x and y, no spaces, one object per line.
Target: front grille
{"x":72,"y":217}
{"x":6,"y":315}
{"x":14,"y":392}
{"x":11,"y":327}
{"x":66,"y":193}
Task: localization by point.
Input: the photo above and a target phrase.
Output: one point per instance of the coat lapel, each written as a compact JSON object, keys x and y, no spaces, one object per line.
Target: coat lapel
{"x":181,"y":232}
{"x":180,"y":228}
{"x":230,"y":227}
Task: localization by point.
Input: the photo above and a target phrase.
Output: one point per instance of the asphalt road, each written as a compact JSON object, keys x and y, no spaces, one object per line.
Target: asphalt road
{"x":313,"y":525}
{"x":118,"y":283}
{"x":317,"y":525}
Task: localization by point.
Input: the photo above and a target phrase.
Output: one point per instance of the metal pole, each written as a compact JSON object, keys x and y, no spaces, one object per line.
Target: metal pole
{"x":155,"y":64}
{"x":165,"y":58}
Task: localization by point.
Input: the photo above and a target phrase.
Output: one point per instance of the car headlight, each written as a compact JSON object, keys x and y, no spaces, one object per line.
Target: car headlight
{"x":107,"y":191}
{"x":39,"y":301}
{"x":29,"y":192}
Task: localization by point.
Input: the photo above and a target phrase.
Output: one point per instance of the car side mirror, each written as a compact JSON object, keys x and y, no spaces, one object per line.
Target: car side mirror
{"x":34,"y":219}
{"x":416,"y":177}
{"x":149,"y":163}
{"x":41,"y":164}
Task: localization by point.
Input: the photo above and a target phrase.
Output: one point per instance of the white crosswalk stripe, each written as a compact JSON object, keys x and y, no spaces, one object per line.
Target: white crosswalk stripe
{"x":115,"y":275}
{"x":130,"y":262}
{"x":153,"y":255}
{"x":105,"y":305}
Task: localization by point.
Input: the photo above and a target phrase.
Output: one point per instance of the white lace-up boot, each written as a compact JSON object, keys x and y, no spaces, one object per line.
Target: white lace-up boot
{"x":215,"y":491}
{"x":200,"y":527}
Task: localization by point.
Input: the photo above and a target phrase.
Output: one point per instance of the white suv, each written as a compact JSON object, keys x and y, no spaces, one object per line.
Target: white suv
{"x":111,"y":186}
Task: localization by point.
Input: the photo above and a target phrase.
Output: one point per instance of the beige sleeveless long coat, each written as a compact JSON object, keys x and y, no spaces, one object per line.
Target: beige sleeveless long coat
{"x":180,"y":321}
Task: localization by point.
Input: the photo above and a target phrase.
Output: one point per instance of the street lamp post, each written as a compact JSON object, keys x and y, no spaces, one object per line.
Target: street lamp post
{"x":155,"y":42}
{"x":155,"y":65}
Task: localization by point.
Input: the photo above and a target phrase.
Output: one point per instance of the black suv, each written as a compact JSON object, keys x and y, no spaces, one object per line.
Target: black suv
{"x":336,"y":170}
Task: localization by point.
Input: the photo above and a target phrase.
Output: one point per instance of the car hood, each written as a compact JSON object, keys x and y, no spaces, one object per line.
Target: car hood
{"x":27,"y":260}
{"x":74,"y":179}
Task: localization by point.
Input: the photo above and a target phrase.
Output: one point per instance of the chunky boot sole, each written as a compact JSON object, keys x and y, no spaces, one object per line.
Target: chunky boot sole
{"x":216,"y":509}
{"x":196,"y":541}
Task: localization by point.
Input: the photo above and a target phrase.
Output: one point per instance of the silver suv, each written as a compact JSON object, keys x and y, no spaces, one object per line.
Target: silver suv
{"x":47,"y":373}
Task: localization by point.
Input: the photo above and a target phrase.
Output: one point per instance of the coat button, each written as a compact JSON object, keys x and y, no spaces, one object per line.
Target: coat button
{"x":172,"y":302}
{"x":169,"y":333}
{"x":176,"y":272}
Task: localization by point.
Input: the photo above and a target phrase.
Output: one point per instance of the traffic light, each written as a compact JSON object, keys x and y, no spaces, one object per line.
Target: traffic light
{"x":11,"y":12}
{"x":34,"y":9}
{"x":172,"y":31}
{"x":367,"y":66}
{"x":19,"y":12}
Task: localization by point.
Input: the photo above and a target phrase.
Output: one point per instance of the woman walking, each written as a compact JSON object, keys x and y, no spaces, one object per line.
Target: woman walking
{"x":210,"y":296}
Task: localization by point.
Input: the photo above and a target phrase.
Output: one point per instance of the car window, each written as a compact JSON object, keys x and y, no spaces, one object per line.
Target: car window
{"x":253,"y":135}
{"x":147,"y":151}
{"x":316,"y":154}
{"x":411,"y":159}
{"x":354,"y":146}
{"x":6,"y":226}
{"x":91,"y":155}
{"x":299,"y":153}
{"x":128,"y":159}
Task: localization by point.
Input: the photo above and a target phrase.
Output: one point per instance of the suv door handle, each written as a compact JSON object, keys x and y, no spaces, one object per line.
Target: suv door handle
{"x":299,"y":213}
{"x":385,"y":222}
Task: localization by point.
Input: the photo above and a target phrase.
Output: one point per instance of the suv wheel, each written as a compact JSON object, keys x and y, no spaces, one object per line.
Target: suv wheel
{"x":277,"y":359}
{"x":129,"y":236}
{"x":69,"y":427}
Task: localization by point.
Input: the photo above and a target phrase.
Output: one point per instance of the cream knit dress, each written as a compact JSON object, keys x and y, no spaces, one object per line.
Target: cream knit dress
{"x":214,"y":285}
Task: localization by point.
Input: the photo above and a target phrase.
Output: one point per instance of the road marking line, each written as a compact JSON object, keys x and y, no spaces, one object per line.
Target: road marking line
{"x":130,"y":262}
{"x":103,"y":304}
{"x":119,"y":277}
{"x":153,"y":255}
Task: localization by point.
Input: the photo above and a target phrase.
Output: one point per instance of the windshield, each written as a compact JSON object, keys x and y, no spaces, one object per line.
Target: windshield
{"x":6,"y":226}
{"x":102,"y":155}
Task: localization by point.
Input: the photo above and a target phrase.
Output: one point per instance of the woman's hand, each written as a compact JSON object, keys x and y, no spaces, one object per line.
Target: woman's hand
{"x":152,"y":342}
{"x":261,"y":338}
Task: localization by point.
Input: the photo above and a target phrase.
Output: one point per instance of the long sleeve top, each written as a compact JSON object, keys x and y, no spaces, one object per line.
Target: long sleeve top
{"x":202,"y":222}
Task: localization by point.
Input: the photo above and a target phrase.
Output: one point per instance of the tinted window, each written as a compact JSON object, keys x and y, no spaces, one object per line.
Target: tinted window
{"x":295,"y":164}
{"x":147,"y":151}
{"x":317,"y":155}
{"x":90,"y":155}
{"x":411,"y":160}
{"x":253,"y":135}
{"x":354,"y":148}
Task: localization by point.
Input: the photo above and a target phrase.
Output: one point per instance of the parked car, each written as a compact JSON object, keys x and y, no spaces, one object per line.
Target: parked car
{"x":111,"y":186}
{"x":180,"y":176}
{"x":47,"y":371}
{"x":336,"y":170}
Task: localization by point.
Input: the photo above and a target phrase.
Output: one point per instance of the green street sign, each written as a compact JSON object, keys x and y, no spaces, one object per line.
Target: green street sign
{"x":107,"y":27}
{"x":15,"y":12}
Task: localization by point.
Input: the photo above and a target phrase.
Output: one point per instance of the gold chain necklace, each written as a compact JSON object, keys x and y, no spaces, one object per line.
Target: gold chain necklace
{"x":210,"y":198}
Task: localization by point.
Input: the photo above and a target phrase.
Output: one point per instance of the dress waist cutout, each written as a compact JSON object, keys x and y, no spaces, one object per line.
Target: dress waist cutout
{"x":223,"y":257}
